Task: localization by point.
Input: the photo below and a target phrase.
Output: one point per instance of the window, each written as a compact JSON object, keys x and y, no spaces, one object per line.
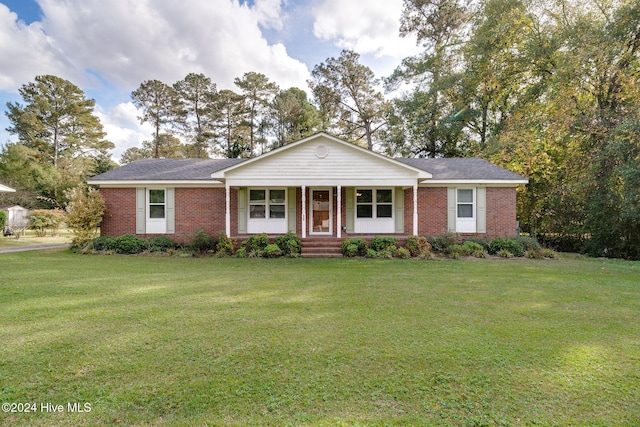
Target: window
{"x":364,"y":202}
{"x":465,"y":203}
{"x":157,"y":205}
{"x":267,"y":204}
{"x":374,"y":203}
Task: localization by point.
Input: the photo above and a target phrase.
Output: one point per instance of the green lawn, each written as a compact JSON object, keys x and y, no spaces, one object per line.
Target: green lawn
{"x":170,"y":341}
{"x":29,"y":239}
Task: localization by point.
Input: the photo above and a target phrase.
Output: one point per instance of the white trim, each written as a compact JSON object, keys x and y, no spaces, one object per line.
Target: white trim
{"x":168,"y":183}
{"x":267,"y":224}
{"x":374,"y":224}
{"x":339,"y":212}
{"x":467,"y":224}
{"x":321,"y":233}
{"x":227,"y":213}
{"x":304,"y":212}
{"x":415,"y":210}
{"x":476,"y":182}
{"x":155,"y":225}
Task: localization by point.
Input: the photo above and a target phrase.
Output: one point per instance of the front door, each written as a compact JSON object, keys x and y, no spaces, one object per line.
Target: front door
{"x":321,"y":218}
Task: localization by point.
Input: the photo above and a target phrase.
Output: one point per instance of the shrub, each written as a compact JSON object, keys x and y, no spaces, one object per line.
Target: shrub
{"x":403,"y":253}
{"x":103,"y":243}
{"x":442,"y":242}
{"x":370,"y":253}
{"x":226,"y":245}
{"x":354,"y":247}
{"x":504,"y":253}
{"x":3,"y":219}
{"x":84,"y":214}
{"x":160,"y":244}
{"x":256,"y":243}
{"x":418,"y":246}
{"x":527,"y":243}
{"x":202,"y":242}
{"x":480,"y":253}
{"x":514,"y":247}
{"x":379,"y":243}
{"x":289,"y":244}
{"x":241,"y":253}
{"x":479,"y":240}
{"x":549,"y":253}
{"x":42,"y":220}
{"x":272,"y":251}
{"x":457,"y":251}
{"x":129,"y":244}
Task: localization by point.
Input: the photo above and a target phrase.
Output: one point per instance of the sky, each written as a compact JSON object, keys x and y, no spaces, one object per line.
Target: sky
{"x":108,"y":48}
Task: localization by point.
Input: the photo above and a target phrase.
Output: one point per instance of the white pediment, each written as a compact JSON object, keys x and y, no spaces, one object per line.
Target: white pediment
{"x":321,"y":160}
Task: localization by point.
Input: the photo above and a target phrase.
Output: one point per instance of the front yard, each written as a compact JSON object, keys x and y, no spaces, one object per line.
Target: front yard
{"x":170,"y":341}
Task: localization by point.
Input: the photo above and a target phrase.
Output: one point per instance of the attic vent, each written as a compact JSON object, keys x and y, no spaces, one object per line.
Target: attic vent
{"x":321,"y":151}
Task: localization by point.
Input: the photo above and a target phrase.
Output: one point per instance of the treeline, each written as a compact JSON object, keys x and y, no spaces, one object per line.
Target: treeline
{"x":548,"y":89}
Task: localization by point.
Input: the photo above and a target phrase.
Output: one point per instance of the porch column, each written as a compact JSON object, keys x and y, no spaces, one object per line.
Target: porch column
{"x":227,"y":217}
{"x":304,"y":212}
{"x":415,"y":209}
{"x":339,"y":219}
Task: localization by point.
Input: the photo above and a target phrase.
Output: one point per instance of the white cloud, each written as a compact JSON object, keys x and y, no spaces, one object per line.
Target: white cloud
{"x":127,"y":42}
{"x":123,"y":127}
{"x":370,"y":27}
{"x":27,"y":51}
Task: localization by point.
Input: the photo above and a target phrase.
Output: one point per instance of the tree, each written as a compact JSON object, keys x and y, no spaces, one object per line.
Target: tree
{"x":84,"y":214}
{"x":198,"y":95}
{"x":258,"y":93}
{"x":232,"y":139}
{"x":167,"y":146}
{"x":160,"y":106}
{"x":350,"y":89}
{"x":56,"y":120}
{"x":294,"y":117}
{"x":432,"y":114}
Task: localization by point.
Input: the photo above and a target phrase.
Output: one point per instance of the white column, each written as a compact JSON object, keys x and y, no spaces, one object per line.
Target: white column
{"x":227,"y":218}
{"x":304,"y":212}
{"x":339,"y":189}
{"x":415,"y":209}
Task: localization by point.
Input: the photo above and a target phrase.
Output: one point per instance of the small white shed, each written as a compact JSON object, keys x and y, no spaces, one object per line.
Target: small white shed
{"x":17,"y":216}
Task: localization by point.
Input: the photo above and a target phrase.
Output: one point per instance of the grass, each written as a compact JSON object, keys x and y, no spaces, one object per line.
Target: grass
{"x":169,"y":341}
{"x":30,"y":239}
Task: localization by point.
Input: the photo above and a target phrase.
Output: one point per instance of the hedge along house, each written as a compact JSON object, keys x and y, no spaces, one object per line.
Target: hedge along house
{"x":320,"y":186}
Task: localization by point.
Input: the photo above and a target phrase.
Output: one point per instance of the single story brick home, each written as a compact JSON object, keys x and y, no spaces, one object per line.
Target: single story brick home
{"x":320,"y":186}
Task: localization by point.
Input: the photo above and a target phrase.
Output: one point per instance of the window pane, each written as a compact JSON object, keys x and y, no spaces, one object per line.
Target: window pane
{"x":465,"y":211}
{"x":364,"y":196}
{"x":257,"y":196}
{"x":465,"y":196}
{"x":276,"y":211}
{"x":156,"y":211}
{"x":384,"y":196}
{"x":365,"y":211}
{"x":276,"y":196}
{"x":156,"y":196}
{"x":256,"y":211}
{"x":384,"y":211}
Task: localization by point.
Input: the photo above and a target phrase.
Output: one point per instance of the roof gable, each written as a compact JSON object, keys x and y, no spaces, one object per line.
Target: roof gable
{"x":321,"y":160}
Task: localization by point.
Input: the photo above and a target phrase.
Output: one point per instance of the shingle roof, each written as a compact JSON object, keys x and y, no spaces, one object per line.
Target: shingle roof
{"x":201,"y":169}
{"x":461,"y":168}
{"x":167,"y":169}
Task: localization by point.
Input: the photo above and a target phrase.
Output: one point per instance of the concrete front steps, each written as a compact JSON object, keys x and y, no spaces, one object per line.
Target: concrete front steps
{"x":321,"y":247}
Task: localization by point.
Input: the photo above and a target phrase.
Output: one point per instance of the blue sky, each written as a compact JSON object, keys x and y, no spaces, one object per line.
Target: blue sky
{"x":108,"y":48}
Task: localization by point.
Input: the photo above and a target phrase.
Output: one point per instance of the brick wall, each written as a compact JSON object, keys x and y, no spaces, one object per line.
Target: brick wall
{"x":501,"y":212}
{"x":120,"y":211}
{"x":195,"y":209}
{"x":432,"y":211}
{"x":204,"y":208}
